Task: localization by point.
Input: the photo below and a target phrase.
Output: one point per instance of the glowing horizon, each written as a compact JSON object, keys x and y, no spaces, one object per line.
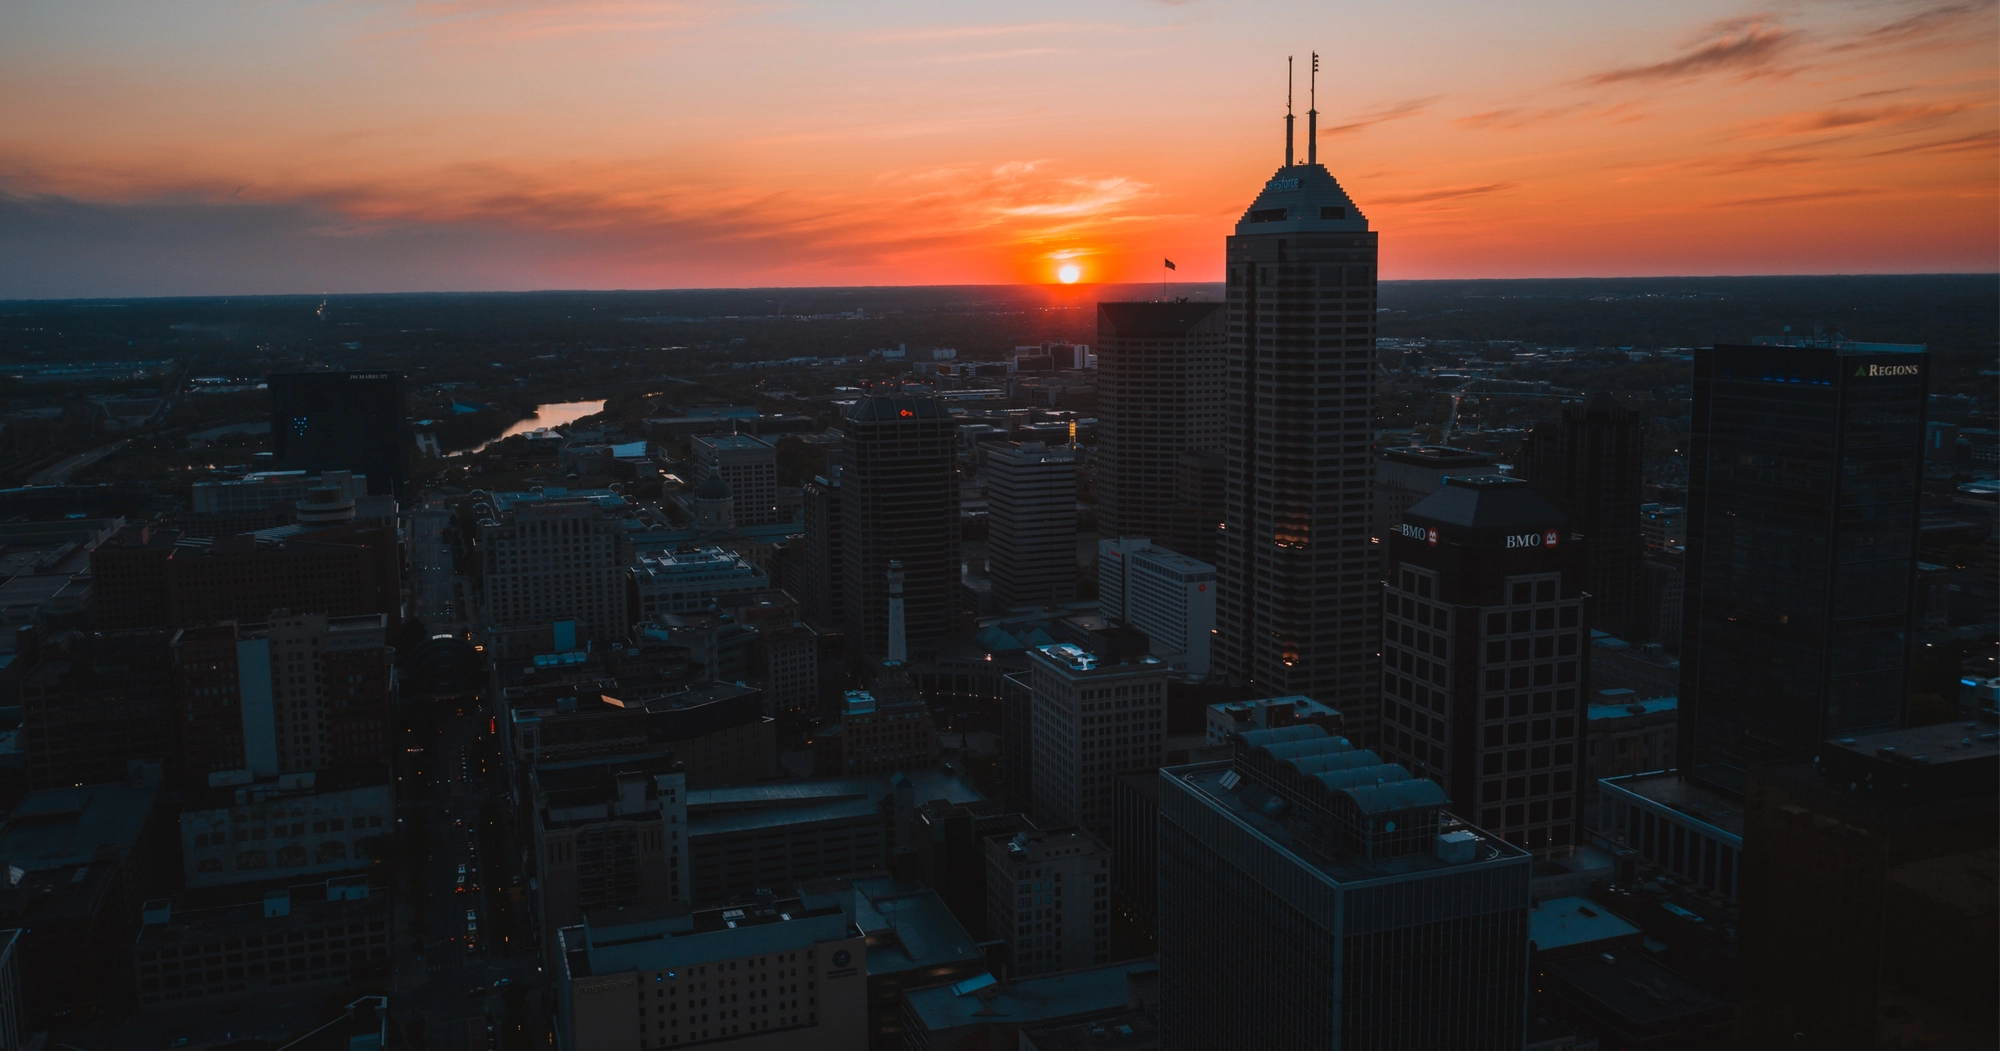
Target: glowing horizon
{"x":232,"y":147}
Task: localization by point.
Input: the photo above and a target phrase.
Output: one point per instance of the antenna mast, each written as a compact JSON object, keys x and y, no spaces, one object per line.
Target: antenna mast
{"x":1312,"y":115}
{"x":1288,"y":111}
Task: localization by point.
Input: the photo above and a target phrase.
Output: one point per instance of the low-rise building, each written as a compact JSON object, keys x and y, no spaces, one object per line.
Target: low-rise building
{"x":688,"y":581}
{"x":245,"y":830}
{"x":312,"y":936}
{"x":609,"y":834}
{"x":1267,"y":713}
{"x":980,"y":1012}
{"x":885,"y":731}
{"x":769,"y":974}
{"x":1048,"y":897}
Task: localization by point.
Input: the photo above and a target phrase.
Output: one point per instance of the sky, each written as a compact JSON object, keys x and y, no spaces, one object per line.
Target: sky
{"x":215,"y":147}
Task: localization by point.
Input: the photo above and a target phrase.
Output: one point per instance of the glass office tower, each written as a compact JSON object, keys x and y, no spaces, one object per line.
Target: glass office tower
{"x":342,"y":421}
{"x":1804,"y":473}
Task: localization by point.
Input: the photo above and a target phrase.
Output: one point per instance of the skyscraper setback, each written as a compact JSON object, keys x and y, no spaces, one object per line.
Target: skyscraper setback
{"x":1588,"y":464}
{"x":1297,"y":602}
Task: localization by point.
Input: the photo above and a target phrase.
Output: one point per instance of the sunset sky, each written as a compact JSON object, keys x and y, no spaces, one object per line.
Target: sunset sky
{"x":212,"y":147}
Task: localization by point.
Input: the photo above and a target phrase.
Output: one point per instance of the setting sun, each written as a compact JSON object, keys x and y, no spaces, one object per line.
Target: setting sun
{"x":1068,"y":273}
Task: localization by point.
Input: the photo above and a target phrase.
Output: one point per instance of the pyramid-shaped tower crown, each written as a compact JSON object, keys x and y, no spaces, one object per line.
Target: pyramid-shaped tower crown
{"x":1302,"y":198}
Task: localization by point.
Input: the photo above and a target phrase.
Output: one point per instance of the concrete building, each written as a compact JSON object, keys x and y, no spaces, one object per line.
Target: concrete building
{"x":1048,"y":898}
{"x":1031,"y":523}
{"x":1167,"y":595}
{"x":1485,"y":670}
{"x":981,"y":1012}
{"x":1307,"y":865}
{"x":884,"y":731}
{"x":770,"y":974}
{"x":1159,"y":380}
{"x":749,"y":466}
{"x":551,"y":560}
{"x":1297,"y":611}
{"x":239,"y":830}
{"x":311,"y":936}
{"x":1677,"y":826}
{"x":609,"y":834}
{"x":899,"y":501}
{"x":1091,"y":720}
{"x":1267,"y":713}
{"x":268,"y":499}
{"x":688,"y":581}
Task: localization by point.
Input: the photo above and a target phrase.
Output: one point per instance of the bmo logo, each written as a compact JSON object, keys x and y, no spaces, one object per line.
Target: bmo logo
{"x":1417,"y":532}
{"x":1548,"y":539}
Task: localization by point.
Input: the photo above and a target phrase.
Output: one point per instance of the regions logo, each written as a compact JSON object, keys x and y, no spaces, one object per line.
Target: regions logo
{"x":1875,"y":371}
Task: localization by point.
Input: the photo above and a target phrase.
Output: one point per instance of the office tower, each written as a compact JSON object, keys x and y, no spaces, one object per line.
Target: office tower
{"x":1312,"y":896}
{"x":93,"y":703}
{"x":1405,"y":476}
{"x":1091,"y":719}
{"x":1588,"y":464}
{"x":748,"y":466}
{"x":1297,"y":611}
{"x":688,"y":581}
{"x":609,"y":833}
{"x":342,"y":421}
{"x":1165,"y":594}
{"x":1485,"y":657}
{"x":1048,"y":897}
{"x":1201,"y":479}
{"x":1159,"y":394}
{"x":550,"y":560}
{"x":332,"y":690}
{"x":899,"y":500}
{"x":1031,"y":524}
{"x":824,"y":588}
{"x":701,"y":977}
{"x":1868,"y":892}
{"x":1804,"y":478}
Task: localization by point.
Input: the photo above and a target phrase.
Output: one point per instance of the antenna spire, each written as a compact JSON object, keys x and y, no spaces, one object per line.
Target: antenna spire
{"x":1288,"y":111}
{"x":1312,"y":115}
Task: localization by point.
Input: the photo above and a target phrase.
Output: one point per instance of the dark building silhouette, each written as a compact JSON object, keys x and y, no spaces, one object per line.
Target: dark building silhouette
{"x":1159,"y":395}
{"x":1200,"y":481}
{"x":1296,"y":605}
{"x":824,"y":588}
{"x":899,"y":500}
{"x":342,"y":421}
{"x":1313,"y":896}
{"x":1867,"y":891}
{"x":1804,"y":478}
{"x":1588,"y":464}
{"x":150,"y":578}
{"x":1485,"y":657}
{"x":93,"y":704}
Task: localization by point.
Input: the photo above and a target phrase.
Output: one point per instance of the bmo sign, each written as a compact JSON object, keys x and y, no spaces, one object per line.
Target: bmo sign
{"x":1417,"y":532}
{"x":1548,"y":539}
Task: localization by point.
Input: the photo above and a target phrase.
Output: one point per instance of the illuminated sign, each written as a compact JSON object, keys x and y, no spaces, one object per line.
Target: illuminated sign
{"x":1282,"y":184}
{"x":1548,"y":539}
{"x":1874,"y":371}
{"x":1417,"y":532}
{"x":907,"y":412}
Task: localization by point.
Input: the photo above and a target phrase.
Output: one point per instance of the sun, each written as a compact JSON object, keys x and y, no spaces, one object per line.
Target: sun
{"x":1068,"y":273}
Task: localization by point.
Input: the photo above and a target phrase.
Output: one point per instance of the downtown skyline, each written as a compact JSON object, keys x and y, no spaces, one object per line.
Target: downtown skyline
{"x":353,"y":147}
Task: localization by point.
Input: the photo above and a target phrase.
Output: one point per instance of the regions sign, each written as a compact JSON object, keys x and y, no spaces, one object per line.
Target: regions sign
{"x":1873,"y":371}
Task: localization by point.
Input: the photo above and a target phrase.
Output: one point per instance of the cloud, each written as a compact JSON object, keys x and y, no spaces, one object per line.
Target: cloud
{"x":1397,"y":111}
{"x":1913,"y":28}
{"x":1446,"y":194}
{"x":1830,"y":119}
{"x":1983,"y":142}
{"x":1801,"y":197}
{"x":1521,"y":117}
{"x":1746,"y":47}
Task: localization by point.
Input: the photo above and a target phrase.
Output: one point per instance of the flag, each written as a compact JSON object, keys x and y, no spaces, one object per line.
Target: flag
{"x":1171,"y":266}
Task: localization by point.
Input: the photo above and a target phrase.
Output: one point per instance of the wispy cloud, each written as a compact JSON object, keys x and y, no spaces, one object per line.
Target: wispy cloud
{"x":1525,"y":116}
{"x":1801,"y":197}
{"x":1395,"y":111}
{"x":1445,"y":194}
{"x":1983,"y":142}
{"x":1850,"y":117}
{"x":1744,"y":47}
{"x":1914,"y":28}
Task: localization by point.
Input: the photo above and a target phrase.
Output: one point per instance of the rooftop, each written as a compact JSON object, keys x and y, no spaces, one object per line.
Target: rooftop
{"x":1159,"y":320}
{"x":721,"y":809}
{"x":1438,"y":456}
{"x":1635,"y":988}
{"x":1564,"y":923}
{"x":1622,"y":708}
{"x":909,"y":928}
{"x":1302,"y":198}
{"x":946,"y":1007}
{"x":1045,"y":844}
{"x":1667,"y":789}
{"x":1076,"y":660}
{"x":1488,"y":504}
{"x":672,"y":942}
{"x":1116,"y":1030}
{"x":68,"y":826}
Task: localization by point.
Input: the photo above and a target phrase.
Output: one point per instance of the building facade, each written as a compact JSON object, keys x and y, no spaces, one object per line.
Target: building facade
{"x":1804,"y":486}
{"x":342,"y":421}
{"x":824,"y":589}
{"x":688,"y":581}
{"x":1159,"y":394}
{"x":1163,"y":593}
{"x":899,"y":501}
{"x":1031,"y":524}
{"x":1297,"y":609}
{"x":550,"y":560}
{"x":314,"y":936}
{"x":1379,"y":919}
{"x":1588,"y":464}
{"x":1485,"y":662}
{"x":93,"y":704}
{"x":609,"y":834}
{"x":1090,"y":720}
{"x":1048,"y":897}
{"x":248,"y":831}
{"x":748,"y":465}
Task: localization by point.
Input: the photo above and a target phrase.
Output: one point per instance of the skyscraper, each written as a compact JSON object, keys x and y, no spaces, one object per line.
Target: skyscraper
{"x":1312,"y":896}
{"x":1485,"y":655}
{"x":899,"y":500}
{"x":342,"y":421}
{"x":1298,"y":598}
{"x":749,"y":466}
{"x":1804,"y":478}
{"x":551,"y":560}
{"x":1093,"y":717}
{"x":1588,"y":464}
{"x":824,"y":588}
{"x":1031,"y":523}
{"x":1159,"y":394}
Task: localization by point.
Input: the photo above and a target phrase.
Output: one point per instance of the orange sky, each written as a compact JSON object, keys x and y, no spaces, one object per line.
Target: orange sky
{"x":360,"y":145}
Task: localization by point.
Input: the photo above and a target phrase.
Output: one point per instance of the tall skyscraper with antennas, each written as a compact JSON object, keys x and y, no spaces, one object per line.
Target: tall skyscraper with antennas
{"x":1297,"y":604}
